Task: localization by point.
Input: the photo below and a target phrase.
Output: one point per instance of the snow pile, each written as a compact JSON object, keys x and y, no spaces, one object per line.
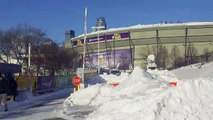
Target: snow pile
{"x":163,"y":75}
{"x":195,"y":71}
{"x":141,"y":97}
{"x":190,"y":100}
{"x":114,"y":78}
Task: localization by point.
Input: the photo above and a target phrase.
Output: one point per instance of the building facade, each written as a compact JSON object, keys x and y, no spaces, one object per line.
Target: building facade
{"x":129,"y":47}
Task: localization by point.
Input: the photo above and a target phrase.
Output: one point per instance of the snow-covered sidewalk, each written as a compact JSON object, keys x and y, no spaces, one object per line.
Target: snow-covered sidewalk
{"x":40,"y":107}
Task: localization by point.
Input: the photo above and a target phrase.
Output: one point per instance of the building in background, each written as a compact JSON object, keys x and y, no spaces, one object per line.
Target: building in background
{"x":69,"y":34}
{"x":100,"y":22}
{"x":174,"y":43}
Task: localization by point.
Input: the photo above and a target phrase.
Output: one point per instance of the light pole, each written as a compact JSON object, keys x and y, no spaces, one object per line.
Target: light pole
{"x":84,"y":53}
{"x":29,"y":54}
{"x":29,"y":65}
{"x":98,"y":29}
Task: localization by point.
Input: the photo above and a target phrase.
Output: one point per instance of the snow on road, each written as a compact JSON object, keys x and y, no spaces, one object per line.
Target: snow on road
{"x":46,"y":106}
{"x":36,"y":112}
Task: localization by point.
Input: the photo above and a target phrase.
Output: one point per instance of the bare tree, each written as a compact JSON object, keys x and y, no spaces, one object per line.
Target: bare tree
{"x":175,"y":56}
{"x":162,"y":57}
{"x":35,"y":37}
{"x":67,"y":60}
{"x":45,"y":54}
{"x":180,"y":62}
{"x":4,"y":49}
{"x":16,"y":44}
{"x":49,"y":51}
{"x":18,"y":38}
{"x":55,"y":59}
{"x":149,"y":50}
{"x":191,"y":54}
{"x":206,"y":54}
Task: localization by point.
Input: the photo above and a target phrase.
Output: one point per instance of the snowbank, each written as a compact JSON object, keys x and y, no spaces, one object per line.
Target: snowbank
{"x":114,"y":78}
{"x":190,"y":100}
{"x":195,"y":71}
{"x":141,"y":97}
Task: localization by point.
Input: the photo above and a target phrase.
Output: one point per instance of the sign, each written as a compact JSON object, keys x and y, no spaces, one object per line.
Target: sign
{"x":76,"y":80}
{"x":79,"y":42}
{"x":80,"y":72}
{"x":120,"y":59}
{"x":102,"y":38}
{"x":117,"y":36}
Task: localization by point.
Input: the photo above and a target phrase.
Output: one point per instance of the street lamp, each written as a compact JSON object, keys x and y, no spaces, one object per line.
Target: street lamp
{"x":29,"y":55}
{"x":29,"y":65}
{"x":98,"y":29}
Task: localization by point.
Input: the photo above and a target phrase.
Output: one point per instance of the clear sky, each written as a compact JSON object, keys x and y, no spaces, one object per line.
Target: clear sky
{"x":56,"y":16}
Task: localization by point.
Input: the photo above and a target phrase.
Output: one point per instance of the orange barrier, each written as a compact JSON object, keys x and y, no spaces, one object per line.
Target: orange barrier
{"x":114,"y":84}
{"x":173,"y":83}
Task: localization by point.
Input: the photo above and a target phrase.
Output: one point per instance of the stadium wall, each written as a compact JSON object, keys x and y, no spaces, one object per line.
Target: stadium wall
{"x":138,"y":38}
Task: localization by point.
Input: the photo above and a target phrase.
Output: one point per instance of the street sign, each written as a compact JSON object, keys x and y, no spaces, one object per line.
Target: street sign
{"x":76,"y":80}
{"x":80,"y":72}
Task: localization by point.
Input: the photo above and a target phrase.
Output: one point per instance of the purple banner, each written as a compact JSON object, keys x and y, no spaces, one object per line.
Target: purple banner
{"x":102,"y":38}
{"x":120,"y":59}
{"x":46,"y":83}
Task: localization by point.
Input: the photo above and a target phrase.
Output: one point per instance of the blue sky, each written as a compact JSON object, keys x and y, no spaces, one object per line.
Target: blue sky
{"x":56,"y":16}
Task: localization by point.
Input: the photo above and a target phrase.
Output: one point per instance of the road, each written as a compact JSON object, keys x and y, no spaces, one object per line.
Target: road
{"x":42,"y":110}
{"x":49,"y":107}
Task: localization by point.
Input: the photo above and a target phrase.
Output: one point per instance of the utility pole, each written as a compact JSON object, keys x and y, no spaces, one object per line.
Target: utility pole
{"x":29,"y":66}
{"x":98,"y":29}
{"x":29,"y":54}
{"x":84,"y":53}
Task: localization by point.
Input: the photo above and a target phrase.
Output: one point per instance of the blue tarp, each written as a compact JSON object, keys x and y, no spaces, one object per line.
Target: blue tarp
{"x":10,"y":68}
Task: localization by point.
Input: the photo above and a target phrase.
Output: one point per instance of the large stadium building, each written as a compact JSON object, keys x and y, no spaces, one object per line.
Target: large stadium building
{"x":129,"y":46}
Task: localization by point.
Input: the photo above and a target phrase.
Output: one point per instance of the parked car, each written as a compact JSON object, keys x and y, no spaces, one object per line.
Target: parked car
{"x":110,"y":71}
{"x":115,"y":72}
{"x":105,"y":70}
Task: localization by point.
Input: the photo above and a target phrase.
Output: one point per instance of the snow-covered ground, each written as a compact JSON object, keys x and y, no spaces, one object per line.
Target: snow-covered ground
{"x":149,"y":96}
{"x":195,"y":71}
{"x":27,"y":107}
{"x":141,"y":95}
